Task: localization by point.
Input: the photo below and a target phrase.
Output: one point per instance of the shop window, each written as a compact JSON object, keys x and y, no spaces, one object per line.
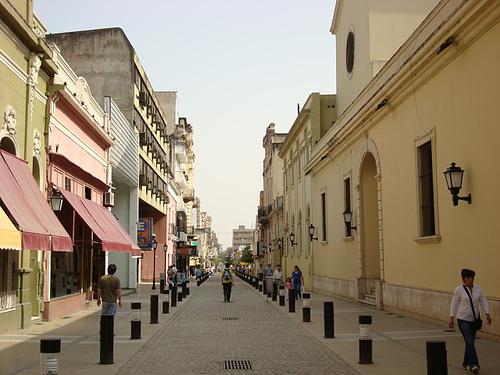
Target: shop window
{"x":426,"y":187}
{"x":65,"y":274}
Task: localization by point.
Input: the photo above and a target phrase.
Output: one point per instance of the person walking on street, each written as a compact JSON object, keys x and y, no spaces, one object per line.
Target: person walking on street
{"x":227,"y":283}
{"x":277,"y":278}
{"x":298,"y":281}
{"x":465,"y":308}
{"x":109,"y":291}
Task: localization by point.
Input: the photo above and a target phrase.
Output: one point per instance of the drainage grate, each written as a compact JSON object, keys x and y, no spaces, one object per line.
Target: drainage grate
{"x":237,"y":365}
{"x":229,"y":318}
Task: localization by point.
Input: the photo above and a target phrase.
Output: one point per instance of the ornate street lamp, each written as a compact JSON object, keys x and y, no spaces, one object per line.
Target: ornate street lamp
{"x":312,"y":230}
{"x":292,"y":239}
{"x":154,"y":244}
{"x":56,"y":200}
{"x":348,"y":219}
{"x":454,"y":176}
{"x":270,"y":245}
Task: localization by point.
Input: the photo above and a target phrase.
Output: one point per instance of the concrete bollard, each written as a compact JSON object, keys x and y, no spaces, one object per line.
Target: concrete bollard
{"x":365,"y":340}
{"x":135,"y":323}
{"x":49,"y":356}
{"x":329,"y":323}
{"x":153,"y":307}
{"x":437,"y":362}
{"x":106,"y":339}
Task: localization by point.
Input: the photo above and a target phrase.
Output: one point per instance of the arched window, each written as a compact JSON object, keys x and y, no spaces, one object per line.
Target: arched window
{"x":8,"y":145}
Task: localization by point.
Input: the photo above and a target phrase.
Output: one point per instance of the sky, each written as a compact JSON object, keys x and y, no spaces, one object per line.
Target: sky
{"x":236,"y":66}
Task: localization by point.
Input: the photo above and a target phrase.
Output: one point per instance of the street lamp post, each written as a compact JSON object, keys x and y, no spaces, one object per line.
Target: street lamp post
{"x":154,"y":244}
{"x":165,"y":249}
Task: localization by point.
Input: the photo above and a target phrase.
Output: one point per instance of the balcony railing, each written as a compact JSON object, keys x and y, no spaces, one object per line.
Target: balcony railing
{"x":7,"y":300}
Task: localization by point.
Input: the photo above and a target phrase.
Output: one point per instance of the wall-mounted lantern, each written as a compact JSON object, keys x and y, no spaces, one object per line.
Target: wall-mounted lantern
{"x":348,"y":219}
{"x":56,"y":200}
{"x":312,"y":230}
{"x":454,"y":176}
{"x":292,"y":239}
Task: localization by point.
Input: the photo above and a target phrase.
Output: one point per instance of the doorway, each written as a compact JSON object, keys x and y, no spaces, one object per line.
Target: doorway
{"x":370,"y":281}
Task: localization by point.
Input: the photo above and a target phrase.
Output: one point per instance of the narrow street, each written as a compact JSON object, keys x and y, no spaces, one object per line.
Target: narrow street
{"x":208,"y":332}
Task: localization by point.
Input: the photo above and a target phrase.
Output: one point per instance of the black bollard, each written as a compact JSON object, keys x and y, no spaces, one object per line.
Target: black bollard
{"x":198,"y":283}
{"x":264,"y":287}
{"x":107,"y":339}
{"x":437,"y":362}
{"x":328,"y":319}
{"x":166,"y":308}
{"x":306,"y":314}
{"x":49,"y":356}
{"x":179,"y":294}
{"x":135,"y":323}
{"x":291,"y":301}
{"x":365,"y":340}
{"x":260,"y":285}
{"x":282,"y":295}
{"x":275,"y":292}
{"x":154,"y":309}
{"x":174,"y":296}
{"x":162,"y":286}
{"x":184,"y":292}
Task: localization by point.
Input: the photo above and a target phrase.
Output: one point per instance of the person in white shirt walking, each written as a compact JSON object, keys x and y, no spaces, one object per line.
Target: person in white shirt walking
{"x":465,"y":308}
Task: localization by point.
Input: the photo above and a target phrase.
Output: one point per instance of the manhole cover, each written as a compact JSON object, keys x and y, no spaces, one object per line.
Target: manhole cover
{"x":229,"y":318}
{"x":237,"y":365}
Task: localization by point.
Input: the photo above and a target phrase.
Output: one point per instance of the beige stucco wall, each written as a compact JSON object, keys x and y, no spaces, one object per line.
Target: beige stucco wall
{"x":380,"y":27}
{"x":457,"y":108}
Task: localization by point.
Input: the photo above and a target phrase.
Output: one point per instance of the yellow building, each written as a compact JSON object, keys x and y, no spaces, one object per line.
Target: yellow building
{"x":313,"y":120}
{"x":400,"y":125}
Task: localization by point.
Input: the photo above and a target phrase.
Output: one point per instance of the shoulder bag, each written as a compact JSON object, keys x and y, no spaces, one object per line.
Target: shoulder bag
{"x":477,"y":324}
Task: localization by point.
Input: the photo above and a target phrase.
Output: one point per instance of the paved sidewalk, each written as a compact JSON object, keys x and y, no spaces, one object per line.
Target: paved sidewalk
{"x":398,"y":341}
{"x":202,"y":332}
{"x":210,"y":331}
{"x":19,"y":350}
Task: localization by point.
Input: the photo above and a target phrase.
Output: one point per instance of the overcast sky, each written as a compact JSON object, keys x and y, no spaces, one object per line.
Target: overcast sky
{"x":236,"y":65}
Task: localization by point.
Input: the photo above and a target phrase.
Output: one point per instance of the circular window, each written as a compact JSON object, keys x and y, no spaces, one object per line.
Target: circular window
{"x":349,"y":52}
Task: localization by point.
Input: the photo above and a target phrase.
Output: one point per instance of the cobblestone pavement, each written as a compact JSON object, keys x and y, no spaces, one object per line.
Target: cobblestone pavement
{"x":198,"y":339}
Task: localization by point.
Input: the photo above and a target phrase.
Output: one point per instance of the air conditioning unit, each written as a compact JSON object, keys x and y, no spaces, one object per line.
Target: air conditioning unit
{"x":108,"y":199}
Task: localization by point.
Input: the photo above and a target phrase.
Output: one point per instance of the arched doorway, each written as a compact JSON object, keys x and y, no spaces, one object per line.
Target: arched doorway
{"x":8,"y":145}
{"x":370,"y":248}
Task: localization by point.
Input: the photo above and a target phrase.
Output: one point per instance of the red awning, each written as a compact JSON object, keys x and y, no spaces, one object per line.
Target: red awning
{"x":19,"y":192}
{"x":102,"y":222}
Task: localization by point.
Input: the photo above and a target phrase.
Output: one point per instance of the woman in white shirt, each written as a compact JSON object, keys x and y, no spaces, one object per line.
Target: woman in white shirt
{"x":466,"y":313}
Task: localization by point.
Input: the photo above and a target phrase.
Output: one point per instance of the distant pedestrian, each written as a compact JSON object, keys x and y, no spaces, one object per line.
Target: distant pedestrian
{"x":227,"y":283}
{"x":288,"y":286}
{"x":277,"y":278}
{"x":109,"y":291}
{"x":298,"y":281}
{"x":465,"y":308}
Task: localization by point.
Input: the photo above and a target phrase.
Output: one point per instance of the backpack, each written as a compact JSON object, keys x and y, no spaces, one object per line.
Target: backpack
{"x":226,"y":276}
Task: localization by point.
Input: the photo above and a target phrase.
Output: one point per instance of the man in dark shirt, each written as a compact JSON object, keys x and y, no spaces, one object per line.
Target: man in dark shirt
{"x":109,"y":292}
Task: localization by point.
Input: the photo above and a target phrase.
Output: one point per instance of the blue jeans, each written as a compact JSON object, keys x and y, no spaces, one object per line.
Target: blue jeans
{"x":469,"y":334}
{"x":297,"y":287}
{"x":108,"y":308}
